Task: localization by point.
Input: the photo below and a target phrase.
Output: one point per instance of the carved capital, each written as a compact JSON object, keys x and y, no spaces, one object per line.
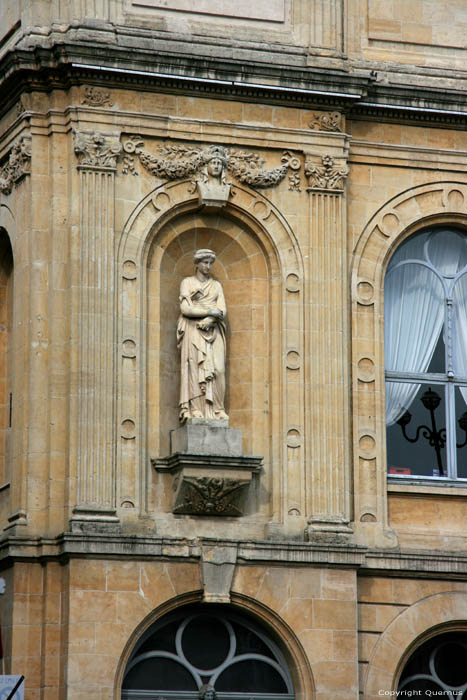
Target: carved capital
{"x":328,"y":176}
{"x":18,"y":165}
{"x":97,"y":150}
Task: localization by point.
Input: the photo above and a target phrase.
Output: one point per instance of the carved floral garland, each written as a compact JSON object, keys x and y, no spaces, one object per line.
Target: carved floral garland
{"x":177,"y":161}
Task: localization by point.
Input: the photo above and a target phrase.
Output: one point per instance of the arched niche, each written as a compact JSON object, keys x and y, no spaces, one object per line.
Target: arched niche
{"x":414,"y":209}
{"x":257,"y":253}
{"x":242,"y":266}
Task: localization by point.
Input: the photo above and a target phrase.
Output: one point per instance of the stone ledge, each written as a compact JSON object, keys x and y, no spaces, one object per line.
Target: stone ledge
{"x":143,"y":547}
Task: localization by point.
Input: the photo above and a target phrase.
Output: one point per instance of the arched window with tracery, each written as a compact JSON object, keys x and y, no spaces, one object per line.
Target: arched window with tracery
{"x":425,"y":301}
{"x":438,"y":668}
{"x":209,"y":652}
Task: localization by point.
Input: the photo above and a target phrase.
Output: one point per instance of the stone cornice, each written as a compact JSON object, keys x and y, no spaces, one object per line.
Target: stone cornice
{"x":353,"y":93}
{"x":139,"y":547}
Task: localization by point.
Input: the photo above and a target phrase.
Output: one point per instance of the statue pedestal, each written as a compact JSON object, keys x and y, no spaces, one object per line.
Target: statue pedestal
{"x":211,"y":476}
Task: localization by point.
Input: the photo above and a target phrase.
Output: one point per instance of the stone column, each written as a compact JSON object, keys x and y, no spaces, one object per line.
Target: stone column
{"x":329,"y":498}
{"x":95,"y":327}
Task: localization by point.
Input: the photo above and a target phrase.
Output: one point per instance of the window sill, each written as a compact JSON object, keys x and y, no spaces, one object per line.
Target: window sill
{"x":446,"y":488}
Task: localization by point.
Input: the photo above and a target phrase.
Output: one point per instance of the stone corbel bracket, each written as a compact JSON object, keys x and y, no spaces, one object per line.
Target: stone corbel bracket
{"x":18,"y":165}
{"x":326,"y":176}
{"x":207,"y":484}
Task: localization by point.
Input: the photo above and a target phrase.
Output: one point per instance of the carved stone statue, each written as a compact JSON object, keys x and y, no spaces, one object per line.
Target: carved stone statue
{"x":202,"y":344}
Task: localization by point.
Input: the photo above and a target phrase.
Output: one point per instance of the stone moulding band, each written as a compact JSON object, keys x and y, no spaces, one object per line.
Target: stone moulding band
{"x":176,"y":461}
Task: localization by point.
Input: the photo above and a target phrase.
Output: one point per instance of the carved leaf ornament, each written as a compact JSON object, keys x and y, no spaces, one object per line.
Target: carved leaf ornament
{"x":18,"y":165}
{"x":177,"y":161}
{"x":211,"y":496}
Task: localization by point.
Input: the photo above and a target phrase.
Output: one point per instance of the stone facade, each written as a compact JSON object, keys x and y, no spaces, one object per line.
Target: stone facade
{"x":343,"y":131}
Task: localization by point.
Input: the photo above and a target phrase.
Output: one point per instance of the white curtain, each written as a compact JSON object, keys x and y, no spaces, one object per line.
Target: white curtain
{"x":414,"y":313}
{"x":460,"y":330}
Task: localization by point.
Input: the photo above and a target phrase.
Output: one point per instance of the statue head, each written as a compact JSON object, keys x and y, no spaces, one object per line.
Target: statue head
{"x":203,"y":260}
{"x":207,"y":692}
{"x":216,"y":161}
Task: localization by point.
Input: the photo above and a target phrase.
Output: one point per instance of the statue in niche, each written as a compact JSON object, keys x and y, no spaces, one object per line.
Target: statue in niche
{"x":202,"y":344}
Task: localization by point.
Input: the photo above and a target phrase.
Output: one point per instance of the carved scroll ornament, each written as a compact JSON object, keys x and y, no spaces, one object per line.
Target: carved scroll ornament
{"x":18,"y":165}
{"x":328,"y":176}
{"x":95,"y":97}
{"x":326,"y":121}
{"x":177,"y":161}
{"x":97,"y":150}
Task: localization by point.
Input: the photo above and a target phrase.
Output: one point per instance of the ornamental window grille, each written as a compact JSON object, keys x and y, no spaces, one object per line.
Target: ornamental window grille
{"x":438,"y":668}
{"x":425,"y":309}
{"x":210,"y":653}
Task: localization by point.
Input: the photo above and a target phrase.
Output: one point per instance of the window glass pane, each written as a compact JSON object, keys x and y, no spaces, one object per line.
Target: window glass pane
{"x":251,"y":677}
{"x":162,"y":640}
{"x":159,"y":674}
{"x":447,"y":251}
{"x":461,"y":431}
{"x":438,"y":362}
{"x":249,"y":643}
{"x":416,"y":438}
{"x":205,"y":642}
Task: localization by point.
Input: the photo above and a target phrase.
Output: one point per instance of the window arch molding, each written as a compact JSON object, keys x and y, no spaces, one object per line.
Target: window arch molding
{"x":446,"y":612}
{"x":419,"y":207}
{"x":260,"y":615}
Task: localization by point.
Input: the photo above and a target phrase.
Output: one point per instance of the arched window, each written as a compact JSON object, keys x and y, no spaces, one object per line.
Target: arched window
{"x":437,"y":668}
{"x":426,"y":356}
{"x":206,"y":652}
{"x":6,"y":322}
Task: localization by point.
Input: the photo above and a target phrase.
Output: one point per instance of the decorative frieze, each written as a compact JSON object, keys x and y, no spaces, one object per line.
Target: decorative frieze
{"x":97,"y":150}
{"x":178,"y":161}
{"x":18,"y":165}
{"x":330,"y":176}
